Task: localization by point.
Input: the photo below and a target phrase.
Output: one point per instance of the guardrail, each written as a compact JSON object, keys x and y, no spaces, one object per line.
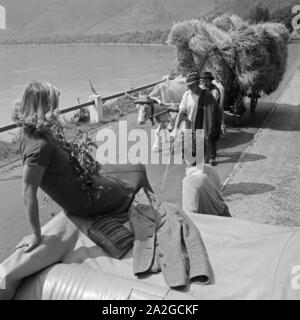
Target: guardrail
{"x":87,"y":104}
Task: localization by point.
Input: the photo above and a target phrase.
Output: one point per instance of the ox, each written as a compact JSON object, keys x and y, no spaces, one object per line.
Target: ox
{"x":162,"y":101}
{"x":161,"y":106}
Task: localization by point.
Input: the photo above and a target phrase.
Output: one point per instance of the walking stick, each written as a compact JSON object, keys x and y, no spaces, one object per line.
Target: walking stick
{"x":164,"y":177}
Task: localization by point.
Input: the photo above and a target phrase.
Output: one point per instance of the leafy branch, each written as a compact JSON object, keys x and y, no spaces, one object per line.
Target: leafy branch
{"x":85,"y":167}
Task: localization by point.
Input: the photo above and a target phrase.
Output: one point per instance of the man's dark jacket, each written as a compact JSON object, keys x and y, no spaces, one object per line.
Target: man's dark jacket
{"x":212,"y":119}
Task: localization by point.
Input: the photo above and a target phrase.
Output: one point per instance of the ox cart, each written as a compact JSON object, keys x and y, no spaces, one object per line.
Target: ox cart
{"x":234,"y":94}
{"x":235,"y":102}
{"x":247,"y":59}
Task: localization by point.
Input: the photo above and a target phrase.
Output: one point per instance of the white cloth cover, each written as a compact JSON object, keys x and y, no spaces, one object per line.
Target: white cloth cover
{"x":250,"y":261}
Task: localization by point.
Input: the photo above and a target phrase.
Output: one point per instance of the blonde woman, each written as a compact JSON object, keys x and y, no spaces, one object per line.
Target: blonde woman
{"x":49,"y":164}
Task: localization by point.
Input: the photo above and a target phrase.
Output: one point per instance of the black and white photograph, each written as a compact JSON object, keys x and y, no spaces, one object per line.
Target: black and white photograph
{"x":149,"y":150}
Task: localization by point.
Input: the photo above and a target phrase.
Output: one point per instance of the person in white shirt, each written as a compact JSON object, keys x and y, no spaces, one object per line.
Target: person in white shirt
{"x":200,"y":110}
{"x":222,"y":103}
{"x":201,"y":192}
{"x":206,"y":81}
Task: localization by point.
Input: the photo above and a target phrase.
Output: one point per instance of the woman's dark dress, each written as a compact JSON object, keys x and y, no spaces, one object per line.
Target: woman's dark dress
{"x":120,"y":182}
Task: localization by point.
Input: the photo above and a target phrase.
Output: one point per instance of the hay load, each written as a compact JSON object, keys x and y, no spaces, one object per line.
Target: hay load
{"x":240,"y":55}
{"x":195,"y":41}
{"x":229,"y":23}
{"x":180,"y":36}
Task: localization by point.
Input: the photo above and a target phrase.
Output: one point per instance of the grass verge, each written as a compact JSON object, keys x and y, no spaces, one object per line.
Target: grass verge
{"x":112,"y":112}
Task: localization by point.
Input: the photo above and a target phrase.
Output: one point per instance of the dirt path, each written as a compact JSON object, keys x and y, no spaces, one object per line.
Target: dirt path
{"x":270,"y":194}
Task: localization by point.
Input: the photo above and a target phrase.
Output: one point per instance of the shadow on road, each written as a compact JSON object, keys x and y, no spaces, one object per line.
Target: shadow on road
{"x":256,"y":120}
{"x":247,"y":188}
{"x":12,"y":178}
{"x":234,"y":156}
{"x":235,"y":137}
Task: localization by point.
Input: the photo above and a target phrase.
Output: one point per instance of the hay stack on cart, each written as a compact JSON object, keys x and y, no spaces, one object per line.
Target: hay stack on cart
{"x":244,"y":58}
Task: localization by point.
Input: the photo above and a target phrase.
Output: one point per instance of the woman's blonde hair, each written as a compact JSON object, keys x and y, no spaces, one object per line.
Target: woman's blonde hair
{"x":37,"y":106}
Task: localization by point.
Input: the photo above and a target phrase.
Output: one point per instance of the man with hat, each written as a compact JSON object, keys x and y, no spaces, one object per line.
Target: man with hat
{"x":206,"y":82}
{"x":201,"y":111}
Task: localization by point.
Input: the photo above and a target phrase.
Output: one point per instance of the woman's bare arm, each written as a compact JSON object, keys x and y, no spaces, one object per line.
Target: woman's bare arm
{"x":32,"y":177}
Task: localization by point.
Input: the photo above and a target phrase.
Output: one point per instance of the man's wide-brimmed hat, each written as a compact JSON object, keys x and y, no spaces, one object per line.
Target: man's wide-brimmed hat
{"x":192,"y":78}
{"x":207,"y":75}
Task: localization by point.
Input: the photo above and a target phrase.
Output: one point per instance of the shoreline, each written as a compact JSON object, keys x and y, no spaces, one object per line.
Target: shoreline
{"x":86,"y":43}
{"x":91,"y":129}
{"x":114,"y":111}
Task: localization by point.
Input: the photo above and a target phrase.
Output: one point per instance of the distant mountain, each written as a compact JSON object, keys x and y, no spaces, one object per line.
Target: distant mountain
{"x":154,"y":14}
{"x":40,"y":18}
{"x":31,"y":18}
{"x":242,"y":7}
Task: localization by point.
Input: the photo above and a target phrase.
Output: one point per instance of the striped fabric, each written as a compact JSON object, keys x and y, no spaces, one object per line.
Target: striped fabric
{"x":110,"y":234}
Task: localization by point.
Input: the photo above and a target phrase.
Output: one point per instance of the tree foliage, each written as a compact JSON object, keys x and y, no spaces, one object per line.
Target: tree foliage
{"x":151,"y":36}
{"x":259,"y":13}
{"x":283,"y":15}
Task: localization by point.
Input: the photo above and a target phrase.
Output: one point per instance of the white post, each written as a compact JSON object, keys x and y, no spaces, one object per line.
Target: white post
{"x":96,"y":110}
{"x":2,"y":18}
{"x":2,"y":278}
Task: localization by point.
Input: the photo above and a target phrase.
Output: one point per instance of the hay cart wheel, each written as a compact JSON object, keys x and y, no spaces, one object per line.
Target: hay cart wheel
{"x":254,"y":99}
{"x":239,"y":109}
{"x":237,"y":120}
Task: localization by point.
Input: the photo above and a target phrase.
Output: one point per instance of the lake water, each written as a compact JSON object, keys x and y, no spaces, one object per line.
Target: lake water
{"x":111,"y":68}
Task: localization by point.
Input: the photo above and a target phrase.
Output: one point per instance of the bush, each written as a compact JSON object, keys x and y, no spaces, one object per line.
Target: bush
{"x":259,"y":13}
{"x":283,"y":15}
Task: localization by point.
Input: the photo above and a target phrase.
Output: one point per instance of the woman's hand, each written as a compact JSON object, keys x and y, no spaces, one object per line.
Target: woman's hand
{"x":29,"y":242}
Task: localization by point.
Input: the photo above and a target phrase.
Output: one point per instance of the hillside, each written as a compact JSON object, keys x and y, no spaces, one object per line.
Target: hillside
{"x":32,"y":18}
{"x":154,"y":14}
{"x":242,"y":7}
{"x":49,"y":18}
